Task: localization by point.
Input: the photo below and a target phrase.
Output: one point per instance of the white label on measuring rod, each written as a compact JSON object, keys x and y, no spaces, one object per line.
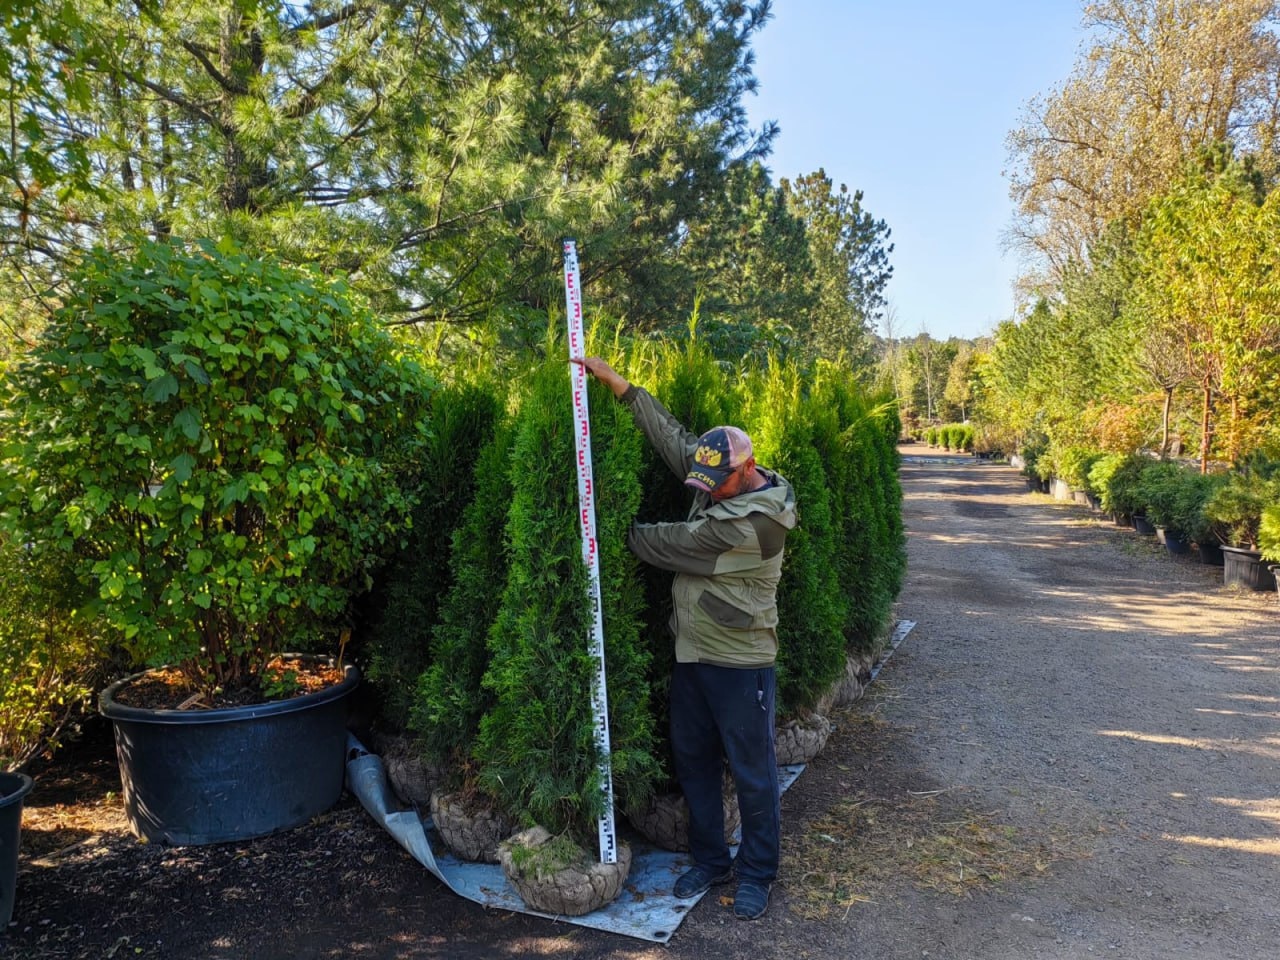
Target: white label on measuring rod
{"x":590,"y":553}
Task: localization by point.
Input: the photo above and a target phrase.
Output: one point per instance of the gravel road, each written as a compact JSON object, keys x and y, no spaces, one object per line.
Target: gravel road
{"x":1082,"y":682}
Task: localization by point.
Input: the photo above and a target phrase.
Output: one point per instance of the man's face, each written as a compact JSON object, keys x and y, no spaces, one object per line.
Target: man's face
{"x":733,"y":484}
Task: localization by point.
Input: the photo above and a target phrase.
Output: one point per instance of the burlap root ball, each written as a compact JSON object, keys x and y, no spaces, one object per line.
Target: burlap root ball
{"x":849,"y":686}
{"x":665,"y":821}
{"x":471,"y":832}
{"x":411,"y":777}
{"x":802,"y":739}
{"x":571,"y":890}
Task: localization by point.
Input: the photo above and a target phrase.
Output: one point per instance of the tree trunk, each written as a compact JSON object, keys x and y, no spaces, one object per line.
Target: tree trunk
{"x":242,"y":59}
{"x":1205,"y":426}
{"x":1164,"y":422}
{"x":1233,"y":438}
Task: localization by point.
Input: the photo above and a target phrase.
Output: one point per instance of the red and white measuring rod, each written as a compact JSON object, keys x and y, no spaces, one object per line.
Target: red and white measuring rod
{"x":590,"y":551}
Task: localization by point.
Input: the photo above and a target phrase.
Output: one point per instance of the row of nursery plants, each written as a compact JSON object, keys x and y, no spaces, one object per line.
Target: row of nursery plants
{"x":208,"y":459}
{"x":1238,"y":508}
{"x":951,"y":436}
{"x":481,"y":654}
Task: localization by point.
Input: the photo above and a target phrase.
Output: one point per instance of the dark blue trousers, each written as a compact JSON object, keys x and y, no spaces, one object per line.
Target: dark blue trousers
{"x":728,"y":712}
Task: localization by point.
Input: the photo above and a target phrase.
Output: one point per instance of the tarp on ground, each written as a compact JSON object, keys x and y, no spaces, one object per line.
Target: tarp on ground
{"x":646,"y":908}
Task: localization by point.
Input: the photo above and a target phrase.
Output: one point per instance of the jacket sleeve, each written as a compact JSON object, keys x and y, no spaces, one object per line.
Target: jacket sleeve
{"x":667,"y":435}
{"x":696,"y":547}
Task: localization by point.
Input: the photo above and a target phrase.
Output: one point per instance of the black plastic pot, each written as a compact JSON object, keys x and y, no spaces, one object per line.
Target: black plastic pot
{"x":1275,"y":575}
{"x":212,"y":776}
{"x":1210,"y":553}
{"x":13,"y":789}
{"x":1141,"y":524}
{"x":1244,"y":568}
{"x":1173,"y":541}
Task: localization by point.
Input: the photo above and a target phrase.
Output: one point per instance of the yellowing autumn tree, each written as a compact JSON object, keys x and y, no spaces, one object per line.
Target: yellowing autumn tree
{"x":1156,"y":80}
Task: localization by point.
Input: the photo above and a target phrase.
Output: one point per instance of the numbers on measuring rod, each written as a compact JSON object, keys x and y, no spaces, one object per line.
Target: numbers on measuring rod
{"x":590,"y":553}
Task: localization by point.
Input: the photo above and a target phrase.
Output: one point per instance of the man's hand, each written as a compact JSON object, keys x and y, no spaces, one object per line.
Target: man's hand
{"x":604,"y":373}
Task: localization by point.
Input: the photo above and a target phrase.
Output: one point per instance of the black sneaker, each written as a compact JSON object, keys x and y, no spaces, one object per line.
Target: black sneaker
{"x":699,"y":879}
{"x":751,"y":901}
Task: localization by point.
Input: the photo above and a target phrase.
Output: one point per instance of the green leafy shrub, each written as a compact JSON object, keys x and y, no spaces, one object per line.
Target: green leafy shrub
{"x":1159,"y":489}
{"x":213,"y":442}
{"x":1115,"y":477}
{"x":1190,"y":516}
{"x":1074,"y":464}
{"x":1033,"y":451}
{"x":1269,"y":533}
{"x":51,"y":655}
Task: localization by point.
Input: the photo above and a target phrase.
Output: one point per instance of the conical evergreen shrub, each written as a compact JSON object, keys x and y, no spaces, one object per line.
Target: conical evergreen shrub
{"x":536,"y":752}
{"x":403,"y":607}
{"x":449,"y":696}
{"x":860,"y":450}
{"x":811,"y":604}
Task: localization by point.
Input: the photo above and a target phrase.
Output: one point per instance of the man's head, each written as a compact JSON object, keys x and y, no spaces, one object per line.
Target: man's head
{"x":722,"y":463}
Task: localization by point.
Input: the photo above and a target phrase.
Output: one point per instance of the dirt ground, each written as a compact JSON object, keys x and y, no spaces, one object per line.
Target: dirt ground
{"x":1073,"y":754}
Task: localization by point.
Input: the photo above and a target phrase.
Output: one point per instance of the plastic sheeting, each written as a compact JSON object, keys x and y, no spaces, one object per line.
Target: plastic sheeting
{"x":646,"y":908}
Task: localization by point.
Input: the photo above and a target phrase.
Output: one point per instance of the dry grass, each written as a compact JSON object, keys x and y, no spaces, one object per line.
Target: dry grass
{"x":863,"y":844}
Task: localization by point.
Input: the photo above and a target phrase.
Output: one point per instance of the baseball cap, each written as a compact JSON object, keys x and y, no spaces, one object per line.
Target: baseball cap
{"x":721,"y":451}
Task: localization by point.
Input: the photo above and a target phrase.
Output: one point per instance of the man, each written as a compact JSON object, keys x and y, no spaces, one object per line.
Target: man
{"x":727,"y":558}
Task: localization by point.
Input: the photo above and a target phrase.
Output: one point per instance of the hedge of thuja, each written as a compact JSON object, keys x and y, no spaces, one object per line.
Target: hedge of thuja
{"x":950,"y":436}
{"x":535,"y":751}
{"x":404,"y":606}
{"x":505,"y":695}
{"x":812,"y":607}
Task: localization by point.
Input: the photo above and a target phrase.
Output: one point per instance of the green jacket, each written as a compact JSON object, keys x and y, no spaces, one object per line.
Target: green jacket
{"x":727,"y":556}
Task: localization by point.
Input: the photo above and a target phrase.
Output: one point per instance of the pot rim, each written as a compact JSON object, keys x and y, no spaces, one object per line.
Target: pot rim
{"x":1245,"y":551}
{"x":114,"y":711}
{"x":13,"y":793}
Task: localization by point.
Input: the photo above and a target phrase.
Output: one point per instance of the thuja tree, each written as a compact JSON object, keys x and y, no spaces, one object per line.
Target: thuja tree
{"x":811,"y":605}
{"x":449,"y":698}
{"x":536,"y":753}
{"x":856,"y":439}
{"x":403,"y":607}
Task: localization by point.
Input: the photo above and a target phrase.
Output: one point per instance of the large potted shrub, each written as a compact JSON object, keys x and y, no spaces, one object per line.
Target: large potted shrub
{"x":1194,"y":521}
{"x":214,"y":441}
{"x":1115,"y":478}
{"x":1237,"y":508}
{"x":1269,"y":540}
{"x":1074,"y":464}
{"x":1161,"y":489}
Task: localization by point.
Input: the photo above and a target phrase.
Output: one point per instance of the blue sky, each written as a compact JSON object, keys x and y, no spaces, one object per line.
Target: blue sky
{"x":910,"y":102}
